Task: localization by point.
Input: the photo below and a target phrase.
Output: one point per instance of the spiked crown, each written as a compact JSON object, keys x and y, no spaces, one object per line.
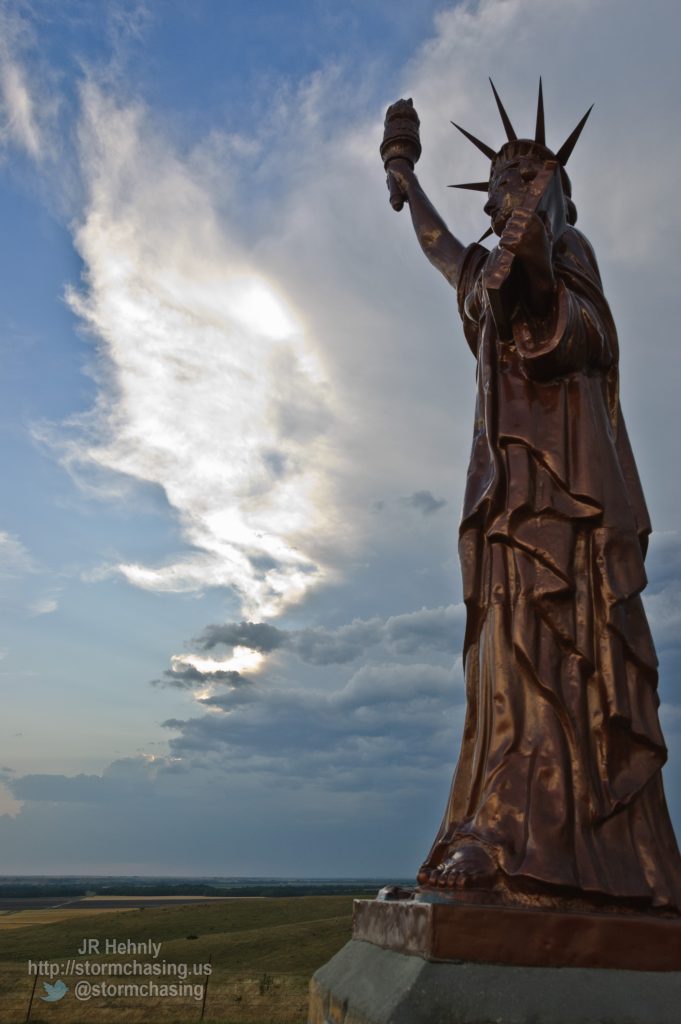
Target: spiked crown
{"x":515,"y":147}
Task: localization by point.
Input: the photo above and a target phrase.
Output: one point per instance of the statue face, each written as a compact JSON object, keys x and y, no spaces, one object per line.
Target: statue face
{"x":507,"y":189}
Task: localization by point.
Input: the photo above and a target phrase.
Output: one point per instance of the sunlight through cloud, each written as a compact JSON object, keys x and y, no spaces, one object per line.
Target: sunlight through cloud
{"x":209,"y":386}
{"x":242,"y":659}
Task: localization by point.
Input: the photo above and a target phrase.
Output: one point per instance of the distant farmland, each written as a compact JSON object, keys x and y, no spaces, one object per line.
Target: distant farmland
{"x":262,"y":953}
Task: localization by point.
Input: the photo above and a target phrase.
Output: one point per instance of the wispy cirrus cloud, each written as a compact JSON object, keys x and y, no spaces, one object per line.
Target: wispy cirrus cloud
{"x":19,"y":123}
{"x":43,"y":605}
{"x":14,"y":556}
{"x":28,"y":102}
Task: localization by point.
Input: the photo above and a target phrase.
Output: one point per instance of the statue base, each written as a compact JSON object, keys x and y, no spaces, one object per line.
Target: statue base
{"x":458,"y":963}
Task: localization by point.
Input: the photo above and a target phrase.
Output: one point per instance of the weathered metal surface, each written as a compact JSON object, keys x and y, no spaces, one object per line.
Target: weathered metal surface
{"x":558,"y":792}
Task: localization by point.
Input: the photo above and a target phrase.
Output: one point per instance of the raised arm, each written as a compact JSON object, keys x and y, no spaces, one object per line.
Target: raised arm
{"x":441,"y":247}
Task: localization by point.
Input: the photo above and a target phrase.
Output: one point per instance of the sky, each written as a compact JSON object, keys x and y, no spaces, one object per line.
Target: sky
{"x":236,"y":406}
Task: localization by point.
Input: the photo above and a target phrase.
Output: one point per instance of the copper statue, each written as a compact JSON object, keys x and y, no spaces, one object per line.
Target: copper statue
{"x":557,"y":797}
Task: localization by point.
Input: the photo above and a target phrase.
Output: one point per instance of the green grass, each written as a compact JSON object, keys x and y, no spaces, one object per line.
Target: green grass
{"x":263,"y":952}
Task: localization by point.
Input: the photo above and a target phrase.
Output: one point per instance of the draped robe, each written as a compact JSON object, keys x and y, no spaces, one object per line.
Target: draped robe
{"x":560,"y":765}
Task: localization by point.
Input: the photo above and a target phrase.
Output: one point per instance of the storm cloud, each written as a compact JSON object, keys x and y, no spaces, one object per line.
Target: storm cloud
{"x":430,"y":629}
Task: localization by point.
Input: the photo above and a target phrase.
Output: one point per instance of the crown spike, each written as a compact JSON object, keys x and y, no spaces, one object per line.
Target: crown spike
{"x":508,"y":127}
{"x":490,"y":231}
{"x":563,"y":154}
{"x":540,"y":130}
{"x":474,"y":186}
{"x":487,"y":150}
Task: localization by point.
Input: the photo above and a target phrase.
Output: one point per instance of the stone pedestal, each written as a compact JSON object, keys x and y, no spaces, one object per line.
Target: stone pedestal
{"x":451,"y":963}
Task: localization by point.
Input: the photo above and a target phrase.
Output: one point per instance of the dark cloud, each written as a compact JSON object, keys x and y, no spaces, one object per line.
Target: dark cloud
{"x":388,"y":719}
{"x":123,"y":779}
{"x":322,"y":646}
{"x":60,"y":788}
{"x":387,"y":734}
{"x":663,"y":607}
{"x":662,"y":600}
{"x":430,"y":629}
{"x":276,"y":462}
{"x":317,"y":645}
{"x":264,"y":563}
{"x":663,"y":561}
{"x":216,"y":822}
{"x":434,"y":630}
{"x":392,"y":683}
{"x":425,"y":502}
{"x":230,"y":699}
{"x":299,"y":412}
{"x":188,"y":677}
{"x":258,"y":636}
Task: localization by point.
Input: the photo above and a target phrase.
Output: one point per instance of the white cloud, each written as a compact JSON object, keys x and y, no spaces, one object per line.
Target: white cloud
{"x":18,"y":119}
{"x":28,"y":101}
{"x":219,"y":344}
{"x":209,"y":385}
{"x":43,"y":605}
{"x":8,"y":805}
{"x":14,"y":558}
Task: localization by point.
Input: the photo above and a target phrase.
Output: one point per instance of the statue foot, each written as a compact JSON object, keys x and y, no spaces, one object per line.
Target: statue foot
{"x":469,"y":866}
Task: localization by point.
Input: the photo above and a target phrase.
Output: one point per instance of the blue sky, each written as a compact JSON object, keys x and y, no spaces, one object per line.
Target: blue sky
{"x":233,"y":390}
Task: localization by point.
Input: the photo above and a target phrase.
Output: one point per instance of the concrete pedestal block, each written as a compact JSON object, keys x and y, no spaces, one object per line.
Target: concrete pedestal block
{"x":367,"y":984}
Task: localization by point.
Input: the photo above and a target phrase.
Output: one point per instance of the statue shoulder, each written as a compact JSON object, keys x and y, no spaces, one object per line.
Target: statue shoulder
{"x":471,"y":263}
{"x":575,"y":248}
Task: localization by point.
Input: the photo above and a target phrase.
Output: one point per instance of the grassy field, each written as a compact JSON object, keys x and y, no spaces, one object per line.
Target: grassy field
{"x":262,"y":953}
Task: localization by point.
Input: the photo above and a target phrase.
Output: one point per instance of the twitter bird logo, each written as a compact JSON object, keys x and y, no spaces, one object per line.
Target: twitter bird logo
{"x":54,"y":992}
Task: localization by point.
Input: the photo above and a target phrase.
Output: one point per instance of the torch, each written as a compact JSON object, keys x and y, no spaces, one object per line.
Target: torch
{"x":400,"y":139}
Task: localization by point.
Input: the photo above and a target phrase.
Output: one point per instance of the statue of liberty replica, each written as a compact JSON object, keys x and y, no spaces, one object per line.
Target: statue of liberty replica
{"x":558,"y":791}
{"x":553,"y":887}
